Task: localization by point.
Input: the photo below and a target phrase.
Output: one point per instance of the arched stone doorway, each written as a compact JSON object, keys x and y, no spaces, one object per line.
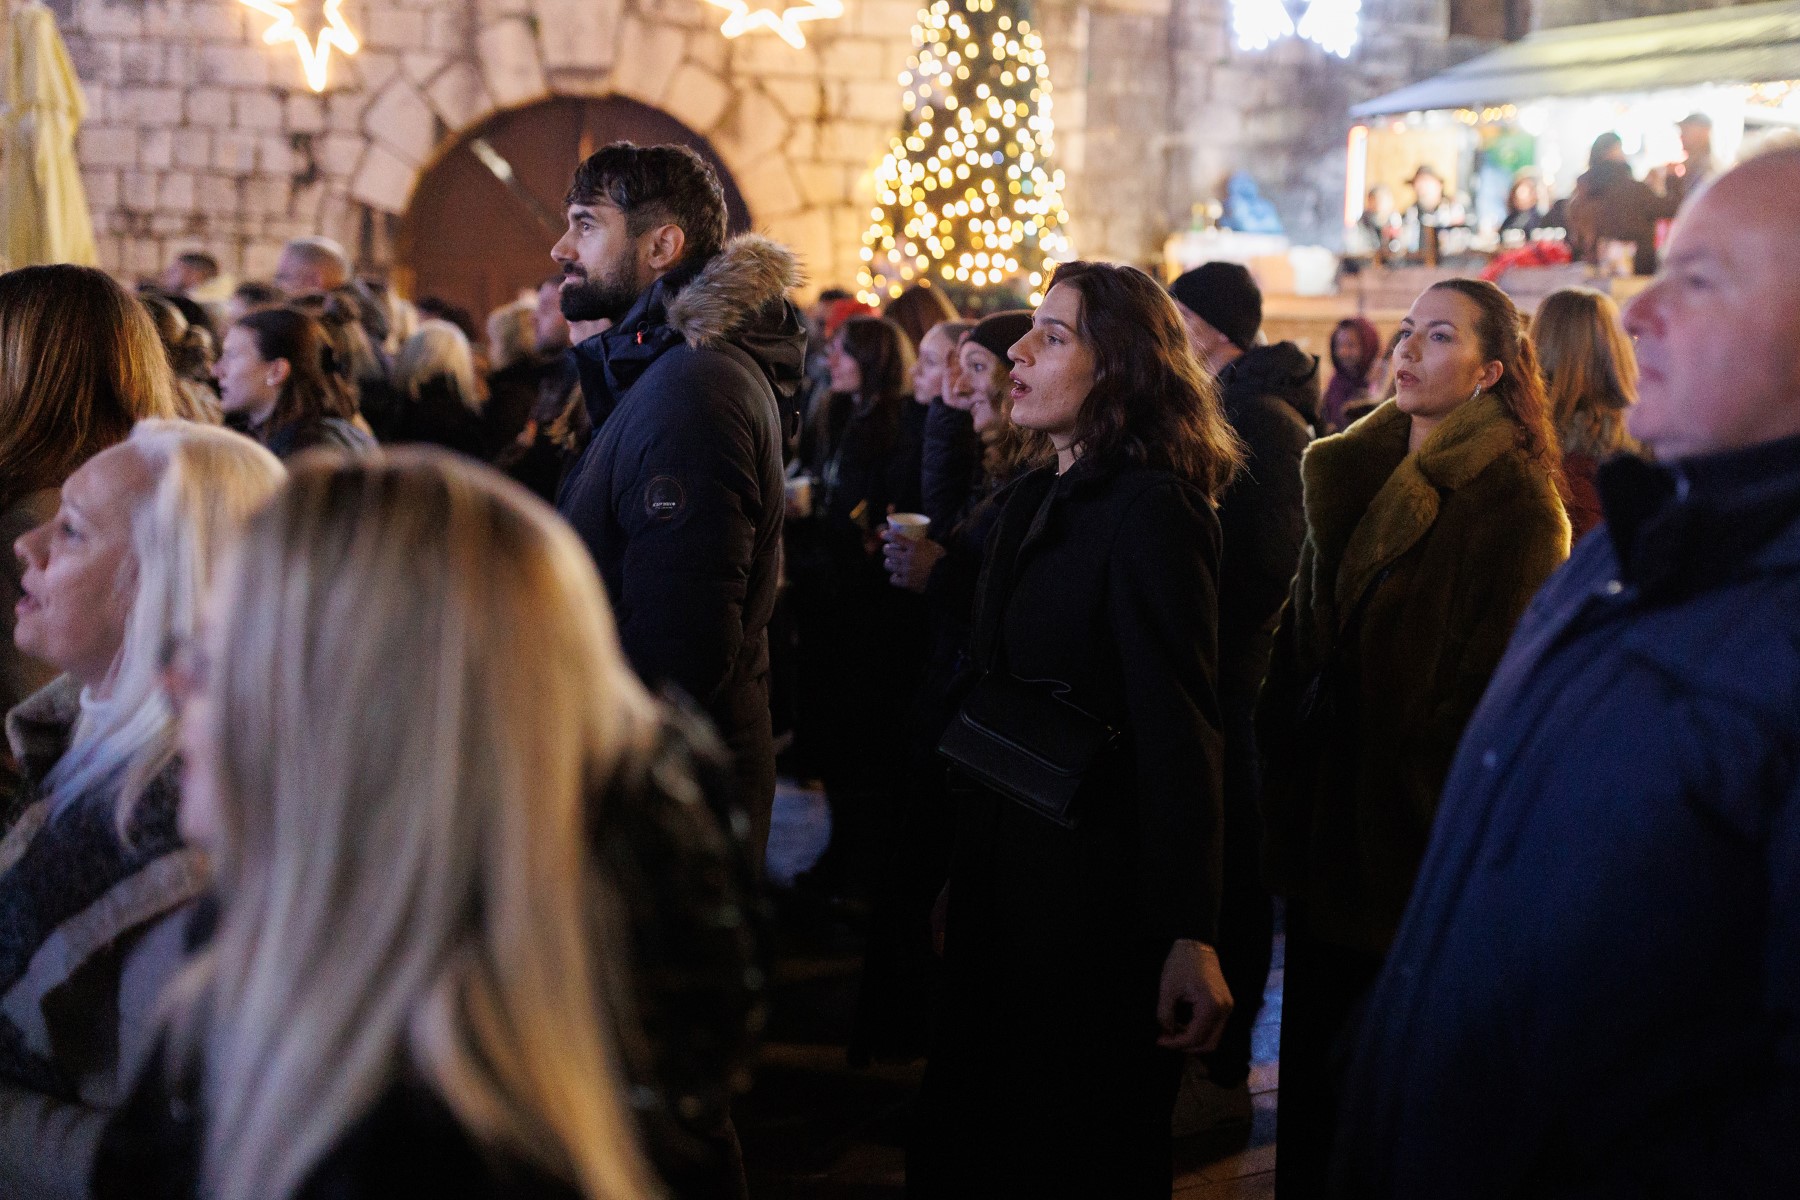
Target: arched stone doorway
{"x":482,"y":219}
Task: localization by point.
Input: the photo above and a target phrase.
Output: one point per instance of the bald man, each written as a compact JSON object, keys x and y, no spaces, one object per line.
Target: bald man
{"x":1596,"y":989}
{"x":311,"y":264}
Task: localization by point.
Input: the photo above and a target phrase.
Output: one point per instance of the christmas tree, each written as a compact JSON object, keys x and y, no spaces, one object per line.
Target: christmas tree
{"x":966,"y":196}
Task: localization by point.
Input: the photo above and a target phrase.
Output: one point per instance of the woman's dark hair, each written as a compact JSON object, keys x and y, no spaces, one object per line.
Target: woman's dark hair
{"x":917,"y":310}
{"x":189,"y":346}
{"x":883,"y":356}
{"x":1603,"y":146}
{"x":80,"y":364}
{"x":253,"y":294}
{"x":313,"y":389}
{"x":1152,"y":402}
{"x":1502,"y":331}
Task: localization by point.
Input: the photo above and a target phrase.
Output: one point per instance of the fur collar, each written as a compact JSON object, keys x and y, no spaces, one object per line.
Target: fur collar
{"x":39,"y":726}
{"x":735,"y":285}
{"x":1368,"y":501}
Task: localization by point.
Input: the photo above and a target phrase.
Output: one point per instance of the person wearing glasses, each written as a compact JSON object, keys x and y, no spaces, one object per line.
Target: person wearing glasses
{"x":94,"y":877}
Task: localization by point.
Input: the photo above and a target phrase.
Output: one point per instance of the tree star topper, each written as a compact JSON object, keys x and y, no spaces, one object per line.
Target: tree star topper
{"x":316,"y":54}
{"x":743,"y":19}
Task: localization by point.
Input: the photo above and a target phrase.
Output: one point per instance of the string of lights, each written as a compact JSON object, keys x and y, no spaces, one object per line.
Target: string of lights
{"x":966,"y":194}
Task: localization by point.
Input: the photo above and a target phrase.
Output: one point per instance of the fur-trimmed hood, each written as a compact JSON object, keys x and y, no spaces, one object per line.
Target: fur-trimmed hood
{"x":739,"y":296}
{"x":735,"y":286}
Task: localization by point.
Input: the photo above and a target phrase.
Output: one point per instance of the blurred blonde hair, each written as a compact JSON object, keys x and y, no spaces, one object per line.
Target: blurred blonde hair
{"x":207,"y":481}
{"x":80,"y":362}
{"x":511,"y":334}
{"x":419,"y":697}
{"x":1589,"y":368}
{"x":437,"y":351}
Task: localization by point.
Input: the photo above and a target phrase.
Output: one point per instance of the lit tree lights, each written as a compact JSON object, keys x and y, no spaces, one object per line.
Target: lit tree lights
{"x":966,"y":194}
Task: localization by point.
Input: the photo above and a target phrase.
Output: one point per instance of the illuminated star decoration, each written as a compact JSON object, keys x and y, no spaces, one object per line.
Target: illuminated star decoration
{"x":313,"y":55}
{"x":1332,"y":25}
{"x":743,"y":19}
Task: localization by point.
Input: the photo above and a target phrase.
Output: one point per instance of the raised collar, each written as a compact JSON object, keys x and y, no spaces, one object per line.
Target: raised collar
{"x":38,"y":727}
{"x":1682,"y":526}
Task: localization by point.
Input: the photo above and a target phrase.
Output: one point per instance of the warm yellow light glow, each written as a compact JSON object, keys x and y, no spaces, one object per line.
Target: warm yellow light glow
{"x":315,"y":55}
{"x":786,"y":25}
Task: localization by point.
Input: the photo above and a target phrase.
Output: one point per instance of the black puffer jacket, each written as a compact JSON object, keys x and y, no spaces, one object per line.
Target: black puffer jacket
{"x":680,"y":494}
{"x":1271,"y":398}
{"x":950,"y":465}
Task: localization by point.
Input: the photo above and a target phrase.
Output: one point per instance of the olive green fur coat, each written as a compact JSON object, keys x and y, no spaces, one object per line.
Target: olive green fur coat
{"x":1414,"y":570}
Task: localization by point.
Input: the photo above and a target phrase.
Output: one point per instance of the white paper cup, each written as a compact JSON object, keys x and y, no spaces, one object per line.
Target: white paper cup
{"x":799,"y":495}
{"x":911,"y":526}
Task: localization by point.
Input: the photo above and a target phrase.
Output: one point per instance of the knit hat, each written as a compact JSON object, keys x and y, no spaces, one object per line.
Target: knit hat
{"x":1224,"y":296}
{"x":998,"y":332}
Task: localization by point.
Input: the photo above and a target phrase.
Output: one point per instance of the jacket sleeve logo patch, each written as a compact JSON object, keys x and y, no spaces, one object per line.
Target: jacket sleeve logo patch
{"x":663,"y":498}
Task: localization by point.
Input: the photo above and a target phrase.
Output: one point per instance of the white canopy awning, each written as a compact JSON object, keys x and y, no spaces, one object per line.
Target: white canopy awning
{"x":1753,"y":44}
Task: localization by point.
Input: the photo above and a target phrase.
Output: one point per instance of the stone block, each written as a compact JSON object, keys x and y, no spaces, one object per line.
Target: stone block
{"x":766,"y":56}
{"x":402,"y":121}
{"x":259,"y":260}
{"x":156,"y":149}
{"x":871,"y":100}
{"x":383,"y":182}
{"x":244,"y":66}
{"x":421,"y":66}
{"x":394,"y":28}
{"x":808,"y":235}
{"x":801,"y":99}
{"x":137,"y":191}
{"x":753,"y":126}
{"x":857,"y":143}
{"x":112,"y":20}
{"x":181,"y":64}
{"x":234,"y":153}
{"x":821,"y":184}
{"x":208,"y":107}
{"x":216,"y":194}
{"x":107,"y":146}
{"x":648,"y":58}
{"x":265,"y":197}
{"x":175,"y":192}
{"x":305,"y":114}
{"x":768,"y":188}
{"x":578,"y":34}
{"x":146,"y":106}
{"x":192,"y":149}
{"x":374,"y":68}
{"x":488,"y":11}
{"x":857,"y":58}
{"x":682,"y":14}
{"x":260,"y":111}
{"x":697,"y":98}
{"x":459,"y":97}
{"x":344,"y":110}
{"x":95,"y":60}
{"x":143,"y":256}
{"x":102,"y":188}
{"x":447,"y":30}
{"x":888,"y":19}
{"x":509,"y":63}
{"x":338,"y":153}
{"x":275,"y":155}
{"x":141,"y":64}
{"x":709,"y":49}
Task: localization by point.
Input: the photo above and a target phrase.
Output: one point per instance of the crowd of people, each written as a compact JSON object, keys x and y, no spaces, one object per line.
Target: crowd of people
{"x":377,"y":824}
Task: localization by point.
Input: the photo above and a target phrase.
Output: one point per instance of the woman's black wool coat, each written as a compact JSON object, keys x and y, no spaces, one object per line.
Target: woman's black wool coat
{"x":1103,"y":579}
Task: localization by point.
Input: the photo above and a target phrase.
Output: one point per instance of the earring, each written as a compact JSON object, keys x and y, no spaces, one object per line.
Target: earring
{"x":1476,"y":393}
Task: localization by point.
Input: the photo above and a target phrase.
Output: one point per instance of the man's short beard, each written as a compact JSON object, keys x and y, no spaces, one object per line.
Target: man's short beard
{"x":606,"y":298}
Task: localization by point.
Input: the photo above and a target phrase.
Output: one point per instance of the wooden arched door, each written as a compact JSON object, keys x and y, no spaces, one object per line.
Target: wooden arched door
{"x":484,"y":216}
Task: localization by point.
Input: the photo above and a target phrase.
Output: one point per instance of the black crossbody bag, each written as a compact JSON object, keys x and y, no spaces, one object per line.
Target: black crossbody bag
{"x":1023,"y":740}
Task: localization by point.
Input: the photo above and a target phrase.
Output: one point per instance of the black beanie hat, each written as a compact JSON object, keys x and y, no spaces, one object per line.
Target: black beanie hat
{"x":999,"y":331}
{"x":1224,"y":296}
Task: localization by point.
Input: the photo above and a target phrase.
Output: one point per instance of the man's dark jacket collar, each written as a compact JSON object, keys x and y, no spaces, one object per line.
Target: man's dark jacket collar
{"x":738,"y":296}
{"x":1683,"y":526}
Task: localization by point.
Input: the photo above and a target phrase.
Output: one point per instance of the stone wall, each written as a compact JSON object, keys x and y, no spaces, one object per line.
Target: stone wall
{"x":201,"y":136}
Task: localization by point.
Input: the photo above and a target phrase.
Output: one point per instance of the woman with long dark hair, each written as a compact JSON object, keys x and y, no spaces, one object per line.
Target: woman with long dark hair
{"x":1429,"y":526}
{"x":277,"y":383}
{"x":1590,"y":374}
{"x":1084,"y":888}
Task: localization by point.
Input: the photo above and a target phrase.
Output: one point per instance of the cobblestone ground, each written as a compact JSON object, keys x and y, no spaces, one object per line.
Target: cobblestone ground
{"x":815,"y":1129}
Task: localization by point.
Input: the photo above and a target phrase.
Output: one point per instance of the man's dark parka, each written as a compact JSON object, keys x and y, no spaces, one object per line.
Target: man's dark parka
{"x":680,"y":494}
{"x":1596,"y":989}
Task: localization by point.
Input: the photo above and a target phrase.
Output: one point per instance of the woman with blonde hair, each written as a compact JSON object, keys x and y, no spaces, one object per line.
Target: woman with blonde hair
{"x":1590,"y":375}
{"x":415,"y":724}
{"x":440,"y":398}
{"x":95,"y":873}
{"x":80,"y":363}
